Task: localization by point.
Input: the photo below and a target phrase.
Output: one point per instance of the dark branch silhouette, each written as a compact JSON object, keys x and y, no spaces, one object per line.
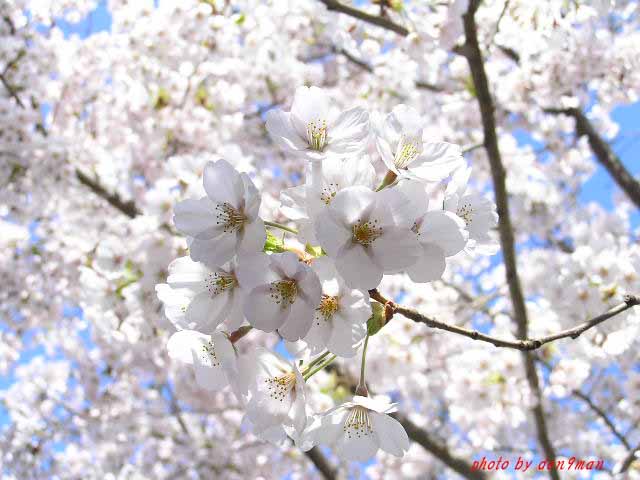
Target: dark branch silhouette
{"x":603,"y":152}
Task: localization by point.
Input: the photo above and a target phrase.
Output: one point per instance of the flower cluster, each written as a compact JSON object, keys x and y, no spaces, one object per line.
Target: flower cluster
{"x":313,"y":289}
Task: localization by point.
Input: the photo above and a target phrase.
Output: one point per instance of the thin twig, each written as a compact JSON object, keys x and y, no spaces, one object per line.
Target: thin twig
{"x":526,"y":344}
{"x":128,"y":207}
{"x":603,"y":152}
{"x":438,"y":449}
{"x":334,"y":5}
{"x":605,"y":418}
{"x":321,"y":463}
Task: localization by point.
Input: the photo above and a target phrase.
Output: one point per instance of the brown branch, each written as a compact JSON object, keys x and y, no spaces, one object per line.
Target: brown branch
{"x":525,"y":344}
{"x":603,"y":152}
{"x":334,"y":5}
{"x":321,"y":463}
{"x":471,"y":51}
{"x":603,"y":416}
{"x":363,"y":65}
{"x":438,"y":449}
{"x":628,"y":461}
{"x":128,"y":207}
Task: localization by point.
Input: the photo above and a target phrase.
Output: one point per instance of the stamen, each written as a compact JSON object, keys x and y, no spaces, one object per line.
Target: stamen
{"x":284,"y":292}
{"x":406,"y":152}
{"x":209,"y":356}
{"x":327,"y":308}
{"x":365,"y":233}
{"x":466,"y":213}
{"x":317,"y":134}
{"x":279,"y":387}
{"x":328,"y":193}
{"x":231,"y":219}
{"x":358,"y":423}
{"x":218,"y":282}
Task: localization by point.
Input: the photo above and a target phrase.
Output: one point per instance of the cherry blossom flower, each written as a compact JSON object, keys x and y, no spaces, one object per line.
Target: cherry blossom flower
{"x":400,"y":144}
{"x":440,"y":233}
{"x":479,"y":213}
{"x":226,"y":220}
{"x":341,"y":318}
{"x":212,"y":356}
{"x":314,"y":130}
{"x":276,"y":405}
{"x":367,"y":234}
{"x":324,"y":181}
{"x":200,"y":298}
{"x":356,"y":430}
{"x":282,"y":293}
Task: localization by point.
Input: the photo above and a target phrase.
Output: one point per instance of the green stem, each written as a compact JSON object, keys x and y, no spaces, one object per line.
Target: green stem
{"x":361,"y":389}
{"x":315,"y":361}
{"x":281,"y":227}
{"x":311,"y":373}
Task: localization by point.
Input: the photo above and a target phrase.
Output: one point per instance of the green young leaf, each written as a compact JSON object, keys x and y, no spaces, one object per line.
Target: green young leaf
{"x":495,"y":378}
{"x":162,"y":99}
{"x":273,"y":244}
{"x":377,"y":320}
{"x":315,"y":251}
{"x":130,"y":276}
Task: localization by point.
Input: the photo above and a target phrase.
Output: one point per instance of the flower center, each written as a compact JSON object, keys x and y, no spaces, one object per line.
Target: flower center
{"x":208,"y":355}
{"x":231,"y":219}
{"x":328,"y":192}
{"x":279,"y":387}
{"x":317,"y":134}
{"x":328,"y":307}
{"x":466,"y":213}
{"x":365,"y":233}
{"x":218,"y":282}
{"x":406,"y":152}
{"x":358,"y":423}
{"x":284,"y":292}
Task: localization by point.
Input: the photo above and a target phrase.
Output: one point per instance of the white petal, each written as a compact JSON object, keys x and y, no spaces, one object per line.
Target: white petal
{"x":261,"y":310}
{"x":444,"y":229}
{"x":358,"y":268}
{"x":298,"y":321}
{"x":357,"y":445}
{"x":349,"y":131}
{"x":287,"y":264}
{"x":310,"y":104}
{"x":182,"y":343}
{"x":236,"y":314}
{"x":282,"y":132}
{"x":185,"y":273}
{"x":345,"y":336}
{"x":352,"y":204}
{"x":436,"y":162}
{"x":254,"y":270}
{"x":396,"y":249}
{"x":391,"y":435}
{"x":196,"y":217}
{"x":293,"y":202}
{"x":210,"y":373}
{"x":309,"y":287}
{"x":216,"y":251}
{"x":430,"y":266}
{"x":206,"y":312}
{"x":331,"y":234}
{"x":252,"y":197}
{"x":223,"y":183}
{"x":252,"y":237}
